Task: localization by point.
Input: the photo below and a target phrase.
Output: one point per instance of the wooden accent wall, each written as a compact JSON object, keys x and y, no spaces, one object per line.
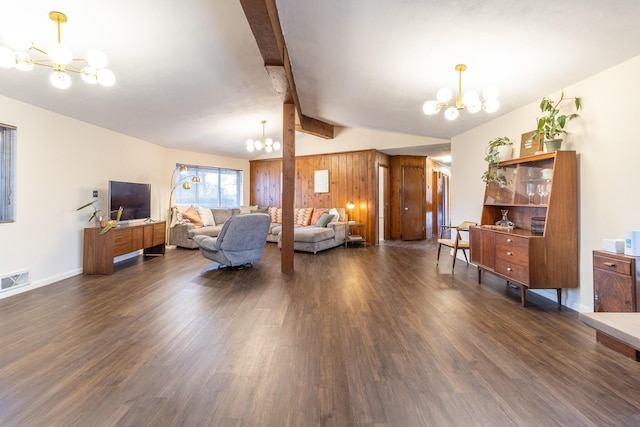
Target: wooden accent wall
{"x":353,"y":176}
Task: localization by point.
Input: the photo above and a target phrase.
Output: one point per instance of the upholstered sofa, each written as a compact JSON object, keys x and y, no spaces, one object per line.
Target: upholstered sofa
{"x":188,"y":222}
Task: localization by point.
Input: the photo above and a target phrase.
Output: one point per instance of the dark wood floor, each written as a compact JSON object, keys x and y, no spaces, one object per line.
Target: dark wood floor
{"x":358,"y":336}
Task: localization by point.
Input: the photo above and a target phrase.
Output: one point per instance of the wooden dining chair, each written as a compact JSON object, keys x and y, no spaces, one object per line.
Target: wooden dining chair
{"x":455,"y":242}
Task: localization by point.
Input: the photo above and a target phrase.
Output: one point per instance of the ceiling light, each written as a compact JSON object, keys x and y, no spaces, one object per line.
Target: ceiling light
{"x":58,"y":57}
{"x":267,"y":144}
{"x":472,"y":100}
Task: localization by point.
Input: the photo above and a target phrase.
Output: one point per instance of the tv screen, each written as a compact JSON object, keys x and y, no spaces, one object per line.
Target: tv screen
{"x":133,"y":197}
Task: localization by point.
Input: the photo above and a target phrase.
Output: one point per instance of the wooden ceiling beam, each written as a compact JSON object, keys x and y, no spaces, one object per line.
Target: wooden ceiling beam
{"x":263,"y":19}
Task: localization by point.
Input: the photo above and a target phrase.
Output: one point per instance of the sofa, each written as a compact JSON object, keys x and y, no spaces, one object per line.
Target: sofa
{"x":189,"y":221}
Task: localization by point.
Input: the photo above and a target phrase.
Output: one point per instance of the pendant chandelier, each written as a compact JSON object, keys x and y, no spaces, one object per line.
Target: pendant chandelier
{"x":472,"y":101}
{"x":267,"y":144}
{"x":58,"y":57}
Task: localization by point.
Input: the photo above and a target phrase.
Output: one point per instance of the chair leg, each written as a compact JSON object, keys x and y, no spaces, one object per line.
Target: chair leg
{"x":438,"y":257}
{"x":464,"y":252}
{"x":455,"y":255}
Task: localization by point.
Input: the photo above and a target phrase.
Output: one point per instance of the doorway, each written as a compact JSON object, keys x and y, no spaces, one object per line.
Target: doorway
{"x":413,"y":218}
{"x":384,"y":204}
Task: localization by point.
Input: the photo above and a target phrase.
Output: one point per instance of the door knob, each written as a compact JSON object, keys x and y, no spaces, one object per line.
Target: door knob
{"x":406,"y":209}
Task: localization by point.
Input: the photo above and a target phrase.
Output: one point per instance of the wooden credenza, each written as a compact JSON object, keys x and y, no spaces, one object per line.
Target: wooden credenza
{"x":547,"y":258}
{"x":616,"y":288}
{"x":100,"y":250}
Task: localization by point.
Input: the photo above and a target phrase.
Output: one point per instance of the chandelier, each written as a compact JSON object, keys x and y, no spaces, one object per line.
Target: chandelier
{"x":472,"y":100}
{"x":267,"y":144}
{"x":58,"y":57}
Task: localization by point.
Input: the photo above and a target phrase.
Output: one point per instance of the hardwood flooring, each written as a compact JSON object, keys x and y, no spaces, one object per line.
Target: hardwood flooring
{"x":372,"y":336}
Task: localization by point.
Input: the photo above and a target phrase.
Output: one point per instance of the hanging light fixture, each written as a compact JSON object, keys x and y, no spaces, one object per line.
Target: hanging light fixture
{"x":267,"y":144}
{"x":472,"y":100}
{"x":58,"y":57}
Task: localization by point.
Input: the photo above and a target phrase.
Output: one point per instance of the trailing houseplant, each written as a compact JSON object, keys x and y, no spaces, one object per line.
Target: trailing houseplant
{"x":551,"y":125}
{"x":498,"y":149}
{"x":96,"y":216}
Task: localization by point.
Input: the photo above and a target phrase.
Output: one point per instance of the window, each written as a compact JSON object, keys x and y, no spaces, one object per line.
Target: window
{"x":7,"y":173}
{"x":218,"y":188}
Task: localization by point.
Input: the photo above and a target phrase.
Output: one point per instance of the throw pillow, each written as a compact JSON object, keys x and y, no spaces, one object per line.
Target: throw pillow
{"x":317,"y":213}
{"x":303,"y":216}
{"x":247,"y":209}
{"x":192,"y":215}
{"x":207,"y":216}
{"x":324,"y":220}
{"x":335,"y":213}
{"x":260,"y":210}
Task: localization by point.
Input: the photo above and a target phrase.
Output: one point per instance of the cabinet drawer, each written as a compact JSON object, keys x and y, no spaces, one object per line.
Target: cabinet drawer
{"x":514,"y":250}
{"x":615,"y":265}
{"x":516,"y":272}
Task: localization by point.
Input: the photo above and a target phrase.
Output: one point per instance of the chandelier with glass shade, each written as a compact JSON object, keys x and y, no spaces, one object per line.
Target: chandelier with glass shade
{"x":59,"y":57}
{"x":472,"y":101}
{"x":267,"y":144}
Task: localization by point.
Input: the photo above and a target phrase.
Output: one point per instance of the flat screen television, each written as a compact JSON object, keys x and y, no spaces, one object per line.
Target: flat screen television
{"x":135,"y":198}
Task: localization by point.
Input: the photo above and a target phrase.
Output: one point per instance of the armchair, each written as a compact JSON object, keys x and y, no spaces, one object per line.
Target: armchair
{"x":455,"y":242}
{"x":240,"y":242}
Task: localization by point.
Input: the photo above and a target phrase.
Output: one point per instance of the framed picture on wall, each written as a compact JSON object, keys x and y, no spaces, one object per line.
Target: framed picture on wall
{"x":321,"y":181}
{"x":529,"y":147}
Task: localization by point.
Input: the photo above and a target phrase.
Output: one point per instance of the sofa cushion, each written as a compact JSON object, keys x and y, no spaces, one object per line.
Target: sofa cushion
{"x":303,"y":216}
{"x":313,"y":234}
{"x":206,"y":215}
{"x":247,"y":209}
{"x":221,"y":215}
{"x":260,"y":210}
{"x":192,"y":215}
{"x":275,"y":214}
{"x":317,"y":213}
{"x":211,"y":231}
{"x":324,"y":220}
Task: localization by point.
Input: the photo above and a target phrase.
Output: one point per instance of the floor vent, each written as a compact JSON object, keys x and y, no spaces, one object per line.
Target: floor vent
{"x":15,"y":280}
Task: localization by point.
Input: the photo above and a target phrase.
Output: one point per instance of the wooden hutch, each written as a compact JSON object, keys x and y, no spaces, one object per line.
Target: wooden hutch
{"x":540,"y":251}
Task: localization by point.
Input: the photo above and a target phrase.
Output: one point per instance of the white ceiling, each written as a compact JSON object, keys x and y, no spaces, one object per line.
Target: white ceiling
{"x":190,"y":76}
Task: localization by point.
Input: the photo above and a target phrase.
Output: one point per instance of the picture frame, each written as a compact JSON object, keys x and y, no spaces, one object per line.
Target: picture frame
{"x":530,"y":147}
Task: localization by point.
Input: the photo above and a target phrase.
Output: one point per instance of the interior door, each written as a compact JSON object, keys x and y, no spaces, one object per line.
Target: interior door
{"x":413,"y":198}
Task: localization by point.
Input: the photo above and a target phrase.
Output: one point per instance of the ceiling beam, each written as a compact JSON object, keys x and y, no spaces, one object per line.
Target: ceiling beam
{"x":263,"y":19}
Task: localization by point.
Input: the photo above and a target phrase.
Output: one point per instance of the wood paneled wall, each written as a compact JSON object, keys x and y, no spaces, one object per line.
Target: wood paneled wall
{"x":353,"y":176}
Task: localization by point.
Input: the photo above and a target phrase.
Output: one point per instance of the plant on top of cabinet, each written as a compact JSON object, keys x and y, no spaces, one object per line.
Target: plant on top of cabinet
{"x":551,"y":125}
{"x":498,"y":149}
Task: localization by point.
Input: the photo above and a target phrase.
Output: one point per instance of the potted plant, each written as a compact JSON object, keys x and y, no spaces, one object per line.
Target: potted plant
{"x":497,"y":150}
{"x":552,"y":123}
{"x":106,"y":224}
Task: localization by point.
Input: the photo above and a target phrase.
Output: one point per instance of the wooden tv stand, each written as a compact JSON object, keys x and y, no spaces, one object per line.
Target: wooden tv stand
{"x":100,"y":250}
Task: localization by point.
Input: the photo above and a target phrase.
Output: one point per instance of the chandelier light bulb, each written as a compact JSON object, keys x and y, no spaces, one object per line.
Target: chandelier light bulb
{"x":23,"y":62}
{"x":258,"y":145}
{"x":60,"y":54}
{"x":276,"y":146}
{"x":268,"y":142}
{"x":451,"y":113}
{"x":60,"y":79}
{"x":96,"y":58}
{"x":268,"y":148}
{"x":7,"y":58}
{"x":17,"y":39}
{"x":106,"y":77}
{"x":491,"y":105}
{"x":430,"y":107}
{"x":474,"y":106}
{"x":444,"y":95}
{"x":471,"y":97}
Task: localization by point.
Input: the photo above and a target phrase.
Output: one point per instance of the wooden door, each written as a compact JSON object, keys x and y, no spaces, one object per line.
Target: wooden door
{"x":413,"y":197}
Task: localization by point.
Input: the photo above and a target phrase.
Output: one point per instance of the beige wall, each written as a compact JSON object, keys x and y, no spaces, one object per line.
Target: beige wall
{"x":605,"y":138}
{"x":59,"y":162}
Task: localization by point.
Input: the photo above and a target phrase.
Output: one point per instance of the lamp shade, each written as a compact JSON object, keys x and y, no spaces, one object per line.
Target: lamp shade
{"x":351,"y":205}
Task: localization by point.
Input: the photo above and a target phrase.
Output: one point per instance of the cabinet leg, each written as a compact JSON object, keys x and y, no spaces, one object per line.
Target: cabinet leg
{"x":479,"y":276}
{"x":559,"y":292}
{"x":523,"y":295}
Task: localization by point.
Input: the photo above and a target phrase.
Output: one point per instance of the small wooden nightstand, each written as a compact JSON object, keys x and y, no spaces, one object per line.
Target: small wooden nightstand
{"x":356,"y":238}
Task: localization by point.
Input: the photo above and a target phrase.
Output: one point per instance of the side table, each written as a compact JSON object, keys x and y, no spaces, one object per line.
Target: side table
{"x":356,"y":238}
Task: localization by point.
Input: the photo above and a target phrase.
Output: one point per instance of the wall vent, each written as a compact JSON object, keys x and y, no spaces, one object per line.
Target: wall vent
{"x":14,"y":280}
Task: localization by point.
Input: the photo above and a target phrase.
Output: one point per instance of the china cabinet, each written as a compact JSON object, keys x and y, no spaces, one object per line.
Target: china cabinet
{"x":537,"y":248}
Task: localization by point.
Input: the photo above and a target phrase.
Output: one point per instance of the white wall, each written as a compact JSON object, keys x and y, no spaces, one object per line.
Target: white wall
{"x":605,"y":138}
{"x":59,"y":162}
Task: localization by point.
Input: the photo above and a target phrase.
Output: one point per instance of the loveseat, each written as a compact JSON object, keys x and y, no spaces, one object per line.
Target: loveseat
{"x":188,"y":222}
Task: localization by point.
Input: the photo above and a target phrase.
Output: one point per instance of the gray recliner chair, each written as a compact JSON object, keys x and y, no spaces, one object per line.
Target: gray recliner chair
{"x":240,"y":242}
